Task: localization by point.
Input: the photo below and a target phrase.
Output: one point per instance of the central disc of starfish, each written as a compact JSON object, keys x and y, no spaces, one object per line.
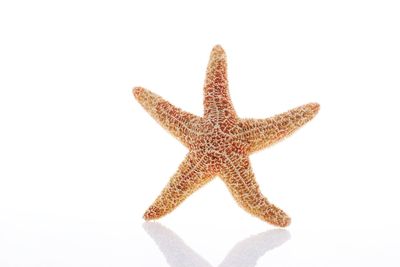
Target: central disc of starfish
{"x":220,"y":144}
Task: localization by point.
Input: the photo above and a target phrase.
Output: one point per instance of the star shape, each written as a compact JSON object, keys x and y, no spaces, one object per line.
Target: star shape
{"x":219,"y":144}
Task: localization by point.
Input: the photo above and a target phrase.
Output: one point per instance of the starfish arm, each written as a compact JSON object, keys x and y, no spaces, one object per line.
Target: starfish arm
{"x":180,"y":124}
{"x":261,"y":133}
{"x":239,"y":178}
{"x":217,"y":102}
{"x":191,"y":175}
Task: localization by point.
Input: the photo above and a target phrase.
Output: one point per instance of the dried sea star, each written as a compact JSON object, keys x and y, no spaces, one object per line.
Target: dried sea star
{"x":220,"y":144}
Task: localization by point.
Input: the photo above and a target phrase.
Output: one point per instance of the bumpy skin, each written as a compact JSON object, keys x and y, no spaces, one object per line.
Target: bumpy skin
{"x":220,"y":144}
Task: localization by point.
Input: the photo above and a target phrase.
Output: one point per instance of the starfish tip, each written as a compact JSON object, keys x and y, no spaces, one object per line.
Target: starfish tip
{"x":286,"y":222}
{"x":150,"y":214}
{"x":137,"y":91}
{"x":314,"y":107}
{"x":146,"y":216}
{"x":217,"y":50}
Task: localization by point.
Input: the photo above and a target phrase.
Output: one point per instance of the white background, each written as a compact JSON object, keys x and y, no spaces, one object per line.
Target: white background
{"x":80,"y":160}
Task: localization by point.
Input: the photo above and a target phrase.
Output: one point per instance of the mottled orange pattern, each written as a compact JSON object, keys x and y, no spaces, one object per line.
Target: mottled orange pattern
{"x":219,"y":144}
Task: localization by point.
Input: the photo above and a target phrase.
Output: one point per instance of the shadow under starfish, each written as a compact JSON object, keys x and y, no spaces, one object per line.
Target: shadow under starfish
{"x":244,"y":254}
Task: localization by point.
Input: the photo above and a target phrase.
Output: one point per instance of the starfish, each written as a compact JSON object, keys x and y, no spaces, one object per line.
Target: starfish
{"x":219,"y":144}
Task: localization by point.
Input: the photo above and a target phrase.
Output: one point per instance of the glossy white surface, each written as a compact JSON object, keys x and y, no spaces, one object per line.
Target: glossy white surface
{"x":62,"y":242}
{"x":80,"y":160}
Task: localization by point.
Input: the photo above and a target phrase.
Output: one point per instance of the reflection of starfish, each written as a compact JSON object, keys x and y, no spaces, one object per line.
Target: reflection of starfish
{"x":220,"y":144}
{"x":244,"y":253}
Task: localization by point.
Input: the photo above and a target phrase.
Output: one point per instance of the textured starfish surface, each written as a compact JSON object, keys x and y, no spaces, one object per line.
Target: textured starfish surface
{"x":219,"y":144}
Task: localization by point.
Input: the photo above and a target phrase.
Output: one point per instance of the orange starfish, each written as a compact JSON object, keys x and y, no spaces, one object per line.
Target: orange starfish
{"x":220,"y":144}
